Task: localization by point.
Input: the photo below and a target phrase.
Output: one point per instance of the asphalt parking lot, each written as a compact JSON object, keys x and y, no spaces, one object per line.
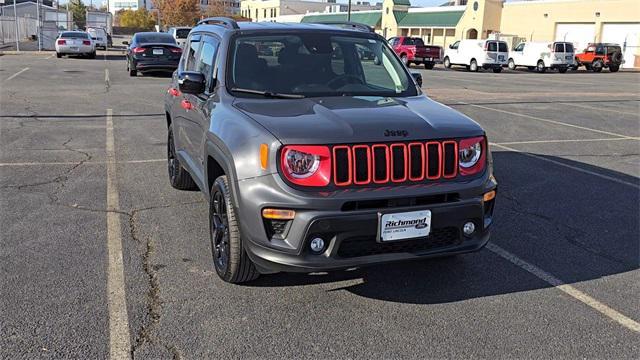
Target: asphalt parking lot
{"x":82,"y":170}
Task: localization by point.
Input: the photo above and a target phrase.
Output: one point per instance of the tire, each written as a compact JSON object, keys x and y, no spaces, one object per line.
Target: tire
{"x":540,"y":67}
{"x":447,"y":63}
{"x":597,"y":66}
{"x":497,"y":70}
{"x":512,"y":64}
{"x":230,"y":260}
{"x":179,"y":178}
{"x":132,"y":71}
{"x":429,"y":65}
{"x":473,"y":66}
{"x":562,"y":70}
{"x":614,"y":68}
{"x":58,"y":55}
{"x":616,"y":57}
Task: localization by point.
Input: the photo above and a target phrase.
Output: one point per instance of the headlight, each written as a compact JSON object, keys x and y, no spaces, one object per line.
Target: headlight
{"x":301,"y":165}
{"x":470,"y":155}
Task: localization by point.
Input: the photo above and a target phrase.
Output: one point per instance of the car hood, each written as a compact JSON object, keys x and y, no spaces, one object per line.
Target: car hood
{"x":357,"y":119}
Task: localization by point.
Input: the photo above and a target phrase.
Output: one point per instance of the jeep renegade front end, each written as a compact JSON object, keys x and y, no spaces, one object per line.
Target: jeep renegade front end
{"x":315,"y":158}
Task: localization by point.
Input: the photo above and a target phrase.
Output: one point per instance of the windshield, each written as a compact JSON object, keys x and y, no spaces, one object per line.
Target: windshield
{"x":155,"y":38}
{"x":182,"y":33}
{"x":74,"y":35}
{"x":317,"y":64}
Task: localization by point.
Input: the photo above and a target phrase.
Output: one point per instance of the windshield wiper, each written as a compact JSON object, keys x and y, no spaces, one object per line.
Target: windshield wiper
{"x":268,"y":93}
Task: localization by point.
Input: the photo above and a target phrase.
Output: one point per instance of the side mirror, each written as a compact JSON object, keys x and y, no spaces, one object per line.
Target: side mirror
{"x":451,"y":46}
{"x":418,"y":78}
{"x":125,"y":43}
{"x":191,"y":82}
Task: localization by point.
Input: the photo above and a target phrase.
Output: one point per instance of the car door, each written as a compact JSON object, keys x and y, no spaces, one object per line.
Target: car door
{"x":181,"y":114}
{"x":205,"y":103}
{"x":517,"y":54}
{"x":454,"y":56}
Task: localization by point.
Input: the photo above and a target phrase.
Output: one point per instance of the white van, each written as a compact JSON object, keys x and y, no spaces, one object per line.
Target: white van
{"x":476,"y":54}
{"x":542,"y":55}
{"x":99,"y":36}
{"x":180,"y":34}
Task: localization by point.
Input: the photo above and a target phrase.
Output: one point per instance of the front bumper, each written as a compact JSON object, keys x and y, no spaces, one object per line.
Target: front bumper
{"x":351,"y":235}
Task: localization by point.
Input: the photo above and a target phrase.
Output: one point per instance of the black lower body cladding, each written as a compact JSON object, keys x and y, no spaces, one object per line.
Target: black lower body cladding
{"x":348,"y":223}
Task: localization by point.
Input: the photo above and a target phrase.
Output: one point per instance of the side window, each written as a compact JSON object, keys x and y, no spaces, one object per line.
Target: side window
{"x":407,"y":41}
{"x":600,"y":50}
{"x":207,"y":59}
{"x":393,"y":41}
{"x":455,"y":45}
{"x":337,"y":59}
{"x":520,"y":47}
{"x":190,"y":60}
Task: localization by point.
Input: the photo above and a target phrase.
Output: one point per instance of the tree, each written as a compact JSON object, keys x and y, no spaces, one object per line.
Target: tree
{"x":79,"y":11}
{"x":178,"y":12}
{"x":140,"y":19}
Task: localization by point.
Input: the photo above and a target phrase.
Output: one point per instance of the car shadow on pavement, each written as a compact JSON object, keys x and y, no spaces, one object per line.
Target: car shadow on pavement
{"x":570,"y":223}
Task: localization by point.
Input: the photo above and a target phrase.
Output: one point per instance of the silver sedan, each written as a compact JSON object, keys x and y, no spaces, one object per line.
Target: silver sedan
{"x":75,"y":43}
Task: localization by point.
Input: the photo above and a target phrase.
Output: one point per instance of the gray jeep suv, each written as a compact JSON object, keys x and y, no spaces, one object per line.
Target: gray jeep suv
{"x":315,"y":158}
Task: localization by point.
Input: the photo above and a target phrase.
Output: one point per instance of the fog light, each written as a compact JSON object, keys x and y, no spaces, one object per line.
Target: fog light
{"x":317,"y":245}
{"x":469,"y":228}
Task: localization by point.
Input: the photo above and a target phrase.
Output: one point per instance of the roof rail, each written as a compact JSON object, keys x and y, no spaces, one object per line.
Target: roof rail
{"x":348,"y":25}
{"x":224,"y":21}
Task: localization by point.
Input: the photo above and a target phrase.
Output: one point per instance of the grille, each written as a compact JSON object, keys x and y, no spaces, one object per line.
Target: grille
{"x":394,"y":163}
{"x":366,"y":245}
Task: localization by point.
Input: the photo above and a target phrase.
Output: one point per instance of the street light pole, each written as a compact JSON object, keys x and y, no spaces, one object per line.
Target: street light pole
{"x":38,"y":26}
{"x":15,"y":16}
{"x":349,"y":11}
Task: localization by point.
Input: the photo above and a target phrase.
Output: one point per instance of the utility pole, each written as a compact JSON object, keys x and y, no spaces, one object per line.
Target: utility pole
{"x":39,"y":26}
{"x":349,"y":11}
{"x":15,"y":16}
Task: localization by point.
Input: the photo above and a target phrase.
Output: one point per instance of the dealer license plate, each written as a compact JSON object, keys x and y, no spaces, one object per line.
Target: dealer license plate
{"x":158,"y":51}
{"x":407,"y":225}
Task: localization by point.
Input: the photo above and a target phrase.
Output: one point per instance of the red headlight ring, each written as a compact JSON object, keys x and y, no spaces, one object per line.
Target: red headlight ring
{"x":479,"y":166}
{"x":322,"y":175}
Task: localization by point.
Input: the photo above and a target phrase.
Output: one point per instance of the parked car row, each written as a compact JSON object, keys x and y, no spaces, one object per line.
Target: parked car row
{"x":495,"y":54}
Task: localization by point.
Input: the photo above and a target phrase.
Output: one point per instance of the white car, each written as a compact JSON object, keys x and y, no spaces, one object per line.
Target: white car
{"x":476,"y":54}
{"x":75,"y":43}
{"x":180,"y":34}
{"x":99,"y":36}
{"x":543,"y":55}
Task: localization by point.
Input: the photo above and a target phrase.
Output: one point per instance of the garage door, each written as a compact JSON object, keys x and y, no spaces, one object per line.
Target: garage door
{"x":579,"y":34}
{"x":625,"y":35}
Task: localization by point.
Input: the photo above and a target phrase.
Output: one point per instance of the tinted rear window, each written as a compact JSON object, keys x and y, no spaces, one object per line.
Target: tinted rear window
{"x":72,"y":35}
{"x":502,"y":46}
{"x":568,"y":47}
{"x":492,"y":46}
{"x":182,"y":33}
{"x":558,"y":47}
{"x":156,"y":38}
{"x":413,"y":41}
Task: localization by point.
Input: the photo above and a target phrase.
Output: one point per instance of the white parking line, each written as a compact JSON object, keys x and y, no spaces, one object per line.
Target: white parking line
{"x":567,"y":289}
{"x":583,"y":106}
{"x":602,"y":176}
{"x":16,"y":74}
{"x":563,"y":141}
{"x":75,"y":163}
{"x":119,"y":343}
{"x":546,"y":120}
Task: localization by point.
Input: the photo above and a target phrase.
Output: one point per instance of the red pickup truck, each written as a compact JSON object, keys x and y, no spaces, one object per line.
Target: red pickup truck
{"x":412,"y":50}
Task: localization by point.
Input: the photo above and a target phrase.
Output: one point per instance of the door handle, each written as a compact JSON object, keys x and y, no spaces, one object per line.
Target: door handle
{"x":186,"y":104}
{"x":173,"y":92}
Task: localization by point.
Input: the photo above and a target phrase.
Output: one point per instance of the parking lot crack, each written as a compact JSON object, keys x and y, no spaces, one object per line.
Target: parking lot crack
{"x":570,"y":234}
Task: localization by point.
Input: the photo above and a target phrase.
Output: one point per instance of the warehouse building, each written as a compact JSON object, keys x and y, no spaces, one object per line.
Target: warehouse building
{"x":578,"y":21}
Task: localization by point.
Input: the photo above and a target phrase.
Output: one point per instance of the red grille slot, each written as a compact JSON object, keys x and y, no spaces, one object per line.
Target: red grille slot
{"x":397,"y":163}
{"x":380,"y":163}
{"x":449,"y":159}
{"x":361,"y":164}
{"x":434,"y":155}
